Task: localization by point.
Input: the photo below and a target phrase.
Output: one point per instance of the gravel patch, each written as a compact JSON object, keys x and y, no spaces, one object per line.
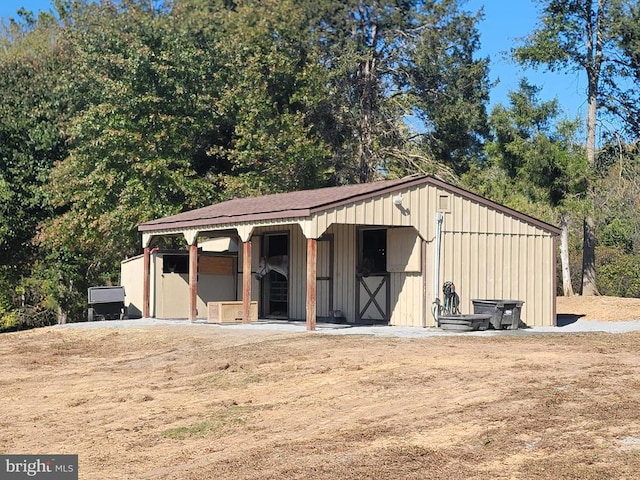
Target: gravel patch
{"x":579,"y":326}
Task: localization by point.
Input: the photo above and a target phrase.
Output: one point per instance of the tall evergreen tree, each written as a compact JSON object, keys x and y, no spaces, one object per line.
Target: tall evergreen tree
{"x":388,"y":60}
{"x":581,"y":35}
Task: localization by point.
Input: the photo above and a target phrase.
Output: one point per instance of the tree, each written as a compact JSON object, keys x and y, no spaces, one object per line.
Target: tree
{"x":138,"y":102}
{"x":625,"y":96}
{"x":449,"y":86}
{"x":272,"y":86}
{"x":31,"y":139}
{"x":572,"y":35}
{"x":388,"y":60}
{"x":170,"y":114}
{"x":618,"y":219}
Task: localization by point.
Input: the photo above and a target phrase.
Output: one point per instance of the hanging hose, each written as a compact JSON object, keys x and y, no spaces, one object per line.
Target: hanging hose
{"x":451,"y":303}
{"x":451,"y":299}
{"x":435,"y":311}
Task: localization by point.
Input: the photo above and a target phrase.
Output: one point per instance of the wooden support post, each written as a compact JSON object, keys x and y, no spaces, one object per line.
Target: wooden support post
{"x":246,"y":282}
{"x":193,"y":282}
{"x":146,"y":283}
{"x":312,"y":262}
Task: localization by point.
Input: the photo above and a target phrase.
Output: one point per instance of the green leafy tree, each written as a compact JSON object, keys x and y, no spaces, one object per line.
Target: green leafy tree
{"x":174,"y":108}
{"x":32,"y":115}
{"x":618,"y":219}
{"x":137,"y":84}
{"x":624,"y":94}
{"x":272,"y":86}
{"x":449,"y":86}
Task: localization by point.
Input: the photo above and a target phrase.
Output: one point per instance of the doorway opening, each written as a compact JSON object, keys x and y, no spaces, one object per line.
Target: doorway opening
{"x":274,"y":285}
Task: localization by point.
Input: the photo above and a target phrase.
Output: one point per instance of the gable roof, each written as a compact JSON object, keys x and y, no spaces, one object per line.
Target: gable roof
{"x":304,"y":203}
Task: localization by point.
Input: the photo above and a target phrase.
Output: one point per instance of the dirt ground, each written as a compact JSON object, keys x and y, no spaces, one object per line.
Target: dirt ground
{"x":205,"y":402}
{"x":608,"y":309}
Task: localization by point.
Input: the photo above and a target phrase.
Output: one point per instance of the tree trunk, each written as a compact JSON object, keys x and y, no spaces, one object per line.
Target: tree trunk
{"x":589,"y":258}
{"x":367,"y":100}
{"x":62,"y":316}
{"x":594,"y":54}
{"x":567,"y":288}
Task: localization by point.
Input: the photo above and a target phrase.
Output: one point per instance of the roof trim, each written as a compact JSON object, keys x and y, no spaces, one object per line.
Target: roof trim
{"x":229,"y":220}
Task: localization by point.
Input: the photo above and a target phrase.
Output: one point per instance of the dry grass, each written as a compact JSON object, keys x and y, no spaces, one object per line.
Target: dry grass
{"x":204,"y":402}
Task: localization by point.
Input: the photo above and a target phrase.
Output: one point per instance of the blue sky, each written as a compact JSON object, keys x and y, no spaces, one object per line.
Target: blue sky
{"x":505,"y":21}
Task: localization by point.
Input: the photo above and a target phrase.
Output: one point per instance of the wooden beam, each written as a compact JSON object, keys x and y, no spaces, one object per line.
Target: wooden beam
{"x":312,"y":263}
{"x":193,"y":282}
{"x":146,"y":282}
{"x":246,"y":282}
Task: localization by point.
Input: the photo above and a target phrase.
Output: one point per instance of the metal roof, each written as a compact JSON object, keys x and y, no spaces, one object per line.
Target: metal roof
{"x":303,"y":203}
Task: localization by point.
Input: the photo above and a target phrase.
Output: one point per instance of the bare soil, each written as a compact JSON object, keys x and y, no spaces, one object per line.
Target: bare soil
{"x":610,"y":309}
{"x":204,"y":402}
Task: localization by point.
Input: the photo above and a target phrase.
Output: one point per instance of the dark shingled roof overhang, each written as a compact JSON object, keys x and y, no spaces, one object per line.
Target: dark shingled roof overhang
{"x":303,"y":203}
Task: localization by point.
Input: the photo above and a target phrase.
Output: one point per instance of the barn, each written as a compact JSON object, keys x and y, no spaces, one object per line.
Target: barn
{"x":375,"y":253}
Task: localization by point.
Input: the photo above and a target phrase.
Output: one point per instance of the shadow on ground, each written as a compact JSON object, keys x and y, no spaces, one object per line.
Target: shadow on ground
{"x":564,"y":319}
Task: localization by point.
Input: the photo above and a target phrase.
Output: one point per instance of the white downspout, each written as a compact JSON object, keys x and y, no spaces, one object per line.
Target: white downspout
{"x":435,"y":307}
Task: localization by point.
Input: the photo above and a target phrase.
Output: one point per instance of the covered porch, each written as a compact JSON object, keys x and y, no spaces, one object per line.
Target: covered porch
{"x":339,"y":254}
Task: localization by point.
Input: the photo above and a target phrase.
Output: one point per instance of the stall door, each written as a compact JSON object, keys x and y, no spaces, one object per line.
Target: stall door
{"x":372,"y":279}
{"x":274,"y":283}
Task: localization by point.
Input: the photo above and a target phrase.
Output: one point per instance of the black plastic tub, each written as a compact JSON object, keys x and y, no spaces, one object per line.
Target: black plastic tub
{"x":504,"y":313}
{"x":464,"y":323}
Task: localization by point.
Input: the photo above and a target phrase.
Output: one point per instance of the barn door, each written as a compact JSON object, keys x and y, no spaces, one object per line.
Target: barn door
{"x":274,"y":286}
{"x":373,"y":288}
{"x":324,"y":277}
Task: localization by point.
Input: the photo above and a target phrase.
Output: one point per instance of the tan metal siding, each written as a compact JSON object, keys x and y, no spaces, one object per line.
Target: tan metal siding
{"x":155,"y":300}
{"x":324,"y":287}
{"x":375,"y":211}
{"x":173,"y":295}
{"x":516,"y":272}
{"x":131,"y":278}
{"x":298,"y":274}
{"x":487,"y":253}
{"x":255,"y":259}
{"x":344,"y":270}
{"x":403,"y":250}
{"x":214,"y":288}
{"x":406,"y":299}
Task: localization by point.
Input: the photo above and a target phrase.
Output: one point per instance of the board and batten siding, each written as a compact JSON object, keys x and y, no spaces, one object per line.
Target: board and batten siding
{"x":344,"y":269}
{"x":406,"y":299}
{"x":255,"y":259}
{"x":487,"y":253}
{"x":491,"y":255}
